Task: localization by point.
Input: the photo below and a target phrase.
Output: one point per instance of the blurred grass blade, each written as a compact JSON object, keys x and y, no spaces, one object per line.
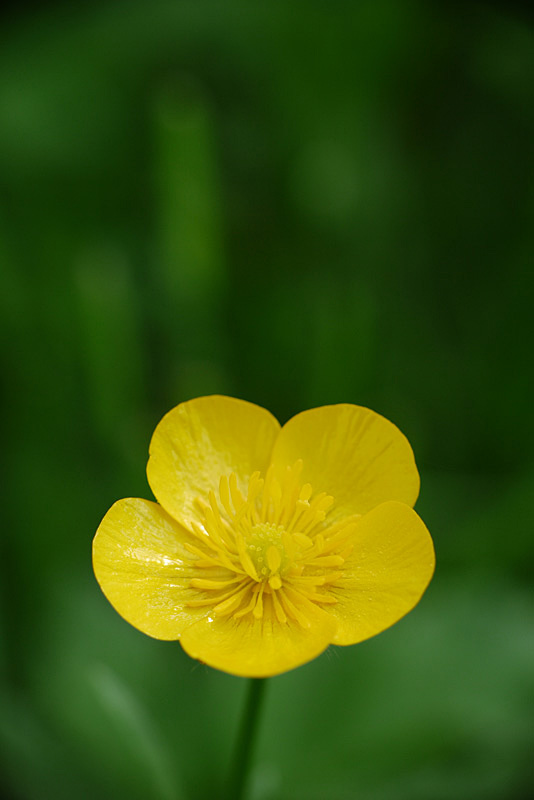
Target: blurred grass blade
{"x":132,"y":726}
{"x":32,"y":758}
{"x":189,"y":220}
{"x":190,"y":272}
{"x":111,"y":341}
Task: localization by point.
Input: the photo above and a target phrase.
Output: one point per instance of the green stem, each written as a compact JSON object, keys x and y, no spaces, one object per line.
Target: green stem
{"x":245,"y":742}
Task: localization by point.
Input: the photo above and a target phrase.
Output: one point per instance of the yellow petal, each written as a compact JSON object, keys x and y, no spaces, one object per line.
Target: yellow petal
{"x":353,"y":454}
{"x":142,"y":568}
{"x":257,"y":648}
{"x":385,"y":575}
{"x":202,"y":439}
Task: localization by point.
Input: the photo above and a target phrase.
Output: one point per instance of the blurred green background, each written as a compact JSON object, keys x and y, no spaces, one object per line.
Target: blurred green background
{"x":296,"y":204}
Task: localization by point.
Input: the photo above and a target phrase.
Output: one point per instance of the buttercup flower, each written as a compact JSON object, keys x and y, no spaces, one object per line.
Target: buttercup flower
{"x":267,"y":544}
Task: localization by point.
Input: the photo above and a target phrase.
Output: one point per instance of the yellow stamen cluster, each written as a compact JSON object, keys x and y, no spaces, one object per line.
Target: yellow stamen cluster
{"x":269,"y":554}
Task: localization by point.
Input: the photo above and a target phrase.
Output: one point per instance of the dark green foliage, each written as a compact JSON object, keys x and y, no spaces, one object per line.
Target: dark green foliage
{"x":298,"y":204}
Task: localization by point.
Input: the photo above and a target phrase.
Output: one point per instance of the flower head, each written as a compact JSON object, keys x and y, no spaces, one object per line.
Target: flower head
{"x":267,"y":544}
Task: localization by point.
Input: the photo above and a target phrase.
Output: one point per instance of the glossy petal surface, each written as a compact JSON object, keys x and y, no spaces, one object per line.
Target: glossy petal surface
{"x":142,"y":568}
{"x":201,"y":440}
{"x":353,"y":454}
{"x":268,"y":544}
{"x":390,"y":566}
{"x":259,"y":648}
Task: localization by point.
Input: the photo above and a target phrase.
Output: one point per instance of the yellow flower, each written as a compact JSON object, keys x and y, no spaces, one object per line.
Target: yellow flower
{"x":267,"y":544}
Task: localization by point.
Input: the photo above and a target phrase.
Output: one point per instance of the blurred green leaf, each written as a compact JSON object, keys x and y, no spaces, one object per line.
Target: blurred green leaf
{"x":298,"y":206}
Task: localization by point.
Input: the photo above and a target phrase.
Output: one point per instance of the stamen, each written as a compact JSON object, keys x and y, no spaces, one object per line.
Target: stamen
{"x":289,"y":545}
{"x":317,"y":549}
{"x":278,"y":610}
{"x":337,"y":527}
{"x":327,"y":561}
{"x":310,"y":580}
{"x":237,"y":497}
{"x":276,"y":557}
{"x":302,"y":540}
{"x":332,"y":577}
{"x":293,"y":612}
{"x":204,"y":583}
{"x":246,"y":560}
{"x":318,"y":598}
{"x":209,"y":601}
{"x":305,"y":493}
{"x":222,"y":556}
{"x":275,"y":582}
{"x":258,"y":610}
{"x":247,"y":609}
{"x":233,"y":602}
{"x":273,"y":512}
{"x":224,"y":494}
{"x":266,"y":493}
{"x":338,"y":539}
{"x":290,"y":492}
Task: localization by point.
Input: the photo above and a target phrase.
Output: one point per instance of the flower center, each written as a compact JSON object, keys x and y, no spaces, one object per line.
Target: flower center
{"x":268,"y":553}
{"x":266,"y":549}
